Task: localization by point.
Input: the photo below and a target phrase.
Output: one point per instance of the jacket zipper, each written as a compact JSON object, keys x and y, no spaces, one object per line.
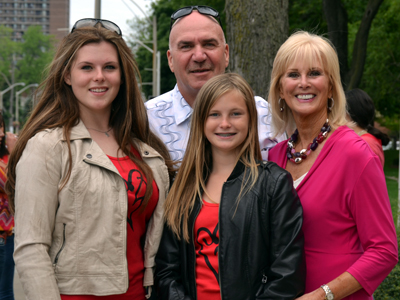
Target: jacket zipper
{"x":219,"y":224}
{"x":61,"y":249}
{"x":264,"y":278}
{"x":194,"y":251}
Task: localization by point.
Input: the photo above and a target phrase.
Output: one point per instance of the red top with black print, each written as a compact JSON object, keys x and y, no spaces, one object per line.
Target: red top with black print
{"x":135,"y":184}
{"x":206,"y":240}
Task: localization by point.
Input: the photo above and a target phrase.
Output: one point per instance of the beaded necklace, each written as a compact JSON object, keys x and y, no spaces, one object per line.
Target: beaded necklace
{"x":298,"y":157}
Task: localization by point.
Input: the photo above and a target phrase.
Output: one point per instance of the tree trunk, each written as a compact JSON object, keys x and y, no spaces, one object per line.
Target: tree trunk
{"x":255,"y":31}
{"x":360,"y":45}
{"x":336,"y":18}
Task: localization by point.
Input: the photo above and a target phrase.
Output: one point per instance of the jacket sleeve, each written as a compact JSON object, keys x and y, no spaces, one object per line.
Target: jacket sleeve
{"x":286,"y":274}
{"x":168,"y":269}
{"x":38,"y":175}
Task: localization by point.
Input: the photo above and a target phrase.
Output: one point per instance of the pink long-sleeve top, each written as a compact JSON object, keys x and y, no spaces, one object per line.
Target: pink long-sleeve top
{"x":348,"y":223}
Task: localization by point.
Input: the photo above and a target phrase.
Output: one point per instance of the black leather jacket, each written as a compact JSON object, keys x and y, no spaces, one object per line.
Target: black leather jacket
{"x":260,"y":247}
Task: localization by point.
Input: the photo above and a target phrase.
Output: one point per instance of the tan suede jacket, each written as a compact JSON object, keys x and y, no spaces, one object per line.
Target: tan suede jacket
{"x":74,"y":241}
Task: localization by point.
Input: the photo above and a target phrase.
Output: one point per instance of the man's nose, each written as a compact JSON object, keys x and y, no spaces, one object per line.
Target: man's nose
{"x":199,"y":54}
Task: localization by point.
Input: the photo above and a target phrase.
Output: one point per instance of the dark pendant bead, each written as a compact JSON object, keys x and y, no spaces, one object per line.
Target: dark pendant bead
{"x":289,"y":155}
{"x":297,"y":154}
{"x":314,"y":146}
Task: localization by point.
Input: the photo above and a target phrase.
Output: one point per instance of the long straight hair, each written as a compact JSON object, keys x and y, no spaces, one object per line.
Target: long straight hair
{"x":197,"y":161}
{"x":58,"y":107}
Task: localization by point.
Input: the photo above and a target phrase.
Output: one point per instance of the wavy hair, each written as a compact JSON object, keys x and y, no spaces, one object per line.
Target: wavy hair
{"x":58,"y":107}
{"x":197,"y":161}
{"x":308,"y":48}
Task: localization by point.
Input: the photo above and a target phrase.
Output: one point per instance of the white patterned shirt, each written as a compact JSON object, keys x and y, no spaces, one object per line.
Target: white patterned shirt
{"x":169,"y":117}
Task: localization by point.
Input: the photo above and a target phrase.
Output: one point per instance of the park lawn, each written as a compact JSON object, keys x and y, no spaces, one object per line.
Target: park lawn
{"x":389,"y":288}
{"x":393,"y":191}
{"x":391,"y":171}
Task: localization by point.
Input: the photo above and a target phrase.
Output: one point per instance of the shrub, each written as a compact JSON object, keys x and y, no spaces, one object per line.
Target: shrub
{"x":390,"y":287}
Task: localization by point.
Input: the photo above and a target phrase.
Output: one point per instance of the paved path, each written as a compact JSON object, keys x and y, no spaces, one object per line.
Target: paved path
{"x":392,"y":178}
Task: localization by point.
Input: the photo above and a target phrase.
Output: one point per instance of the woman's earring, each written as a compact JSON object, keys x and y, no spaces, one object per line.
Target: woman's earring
{"x":333,"y":103}
{"x":281,"y":107}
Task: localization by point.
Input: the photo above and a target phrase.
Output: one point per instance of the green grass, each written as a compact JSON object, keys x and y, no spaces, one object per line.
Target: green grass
{"x":391,"y":170}
{"x":390,"y":288}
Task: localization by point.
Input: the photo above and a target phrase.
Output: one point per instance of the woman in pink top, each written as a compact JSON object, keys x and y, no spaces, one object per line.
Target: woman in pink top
{"x":350,"y":239}
{"x":361,"y":110}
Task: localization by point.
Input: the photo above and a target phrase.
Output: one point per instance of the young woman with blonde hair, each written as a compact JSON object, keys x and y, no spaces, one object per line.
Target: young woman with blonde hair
{"x":233,"y":222}
{"x":87,"y":221}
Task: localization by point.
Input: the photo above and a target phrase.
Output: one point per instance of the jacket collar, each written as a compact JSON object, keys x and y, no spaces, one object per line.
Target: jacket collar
{"x":237,"y":171}
{"x":79,"y":132}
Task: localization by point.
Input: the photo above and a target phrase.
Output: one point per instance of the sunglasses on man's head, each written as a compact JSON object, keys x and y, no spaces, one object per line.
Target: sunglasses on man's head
{"x":187,"y":10}
{"x":89,"y":22}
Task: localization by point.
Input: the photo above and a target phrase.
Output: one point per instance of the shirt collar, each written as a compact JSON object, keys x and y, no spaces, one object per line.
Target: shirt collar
{"x":182,"y":109}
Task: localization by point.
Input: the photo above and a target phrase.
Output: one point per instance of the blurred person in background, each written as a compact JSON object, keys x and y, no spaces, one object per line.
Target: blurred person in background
{"x":361,"y":110}
{"x":7,"y":143}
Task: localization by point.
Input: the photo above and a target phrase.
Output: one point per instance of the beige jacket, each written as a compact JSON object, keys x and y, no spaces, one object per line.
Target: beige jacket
{"x":74,"y":242}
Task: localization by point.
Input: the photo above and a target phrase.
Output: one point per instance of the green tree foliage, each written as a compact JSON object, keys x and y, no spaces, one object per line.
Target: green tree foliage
{"x":37,"y":53}
{"x":22,"y":62}
{"x":163,"y":10}
{"x":8,"y":47}
{"x":381,"y":76}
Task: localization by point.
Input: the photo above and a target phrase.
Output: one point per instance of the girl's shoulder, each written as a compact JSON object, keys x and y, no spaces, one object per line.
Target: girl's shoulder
{"x":271,"y":171}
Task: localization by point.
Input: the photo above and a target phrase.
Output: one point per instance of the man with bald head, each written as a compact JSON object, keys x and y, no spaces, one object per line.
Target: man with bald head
{"x":197,"y":52}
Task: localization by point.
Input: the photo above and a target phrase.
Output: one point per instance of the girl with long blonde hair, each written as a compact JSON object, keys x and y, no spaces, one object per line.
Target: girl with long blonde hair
{"x":233,"y":222}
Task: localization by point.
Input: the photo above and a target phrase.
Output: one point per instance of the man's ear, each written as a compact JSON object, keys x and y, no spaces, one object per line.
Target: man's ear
{"x":169,"y":56}
{"x":226,"y":55}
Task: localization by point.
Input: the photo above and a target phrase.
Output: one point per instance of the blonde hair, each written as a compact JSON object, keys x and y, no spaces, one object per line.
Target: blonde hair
{"x":309,"y":48}
{"x":58,"y":106}
{"x":197,"y":161}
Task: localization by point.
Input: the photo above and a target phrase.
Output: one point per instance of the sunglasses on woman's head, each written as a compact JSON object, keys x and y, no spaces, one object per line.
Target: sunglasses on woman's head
{"x":89,"y":22}
{"x":187,"y":10}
